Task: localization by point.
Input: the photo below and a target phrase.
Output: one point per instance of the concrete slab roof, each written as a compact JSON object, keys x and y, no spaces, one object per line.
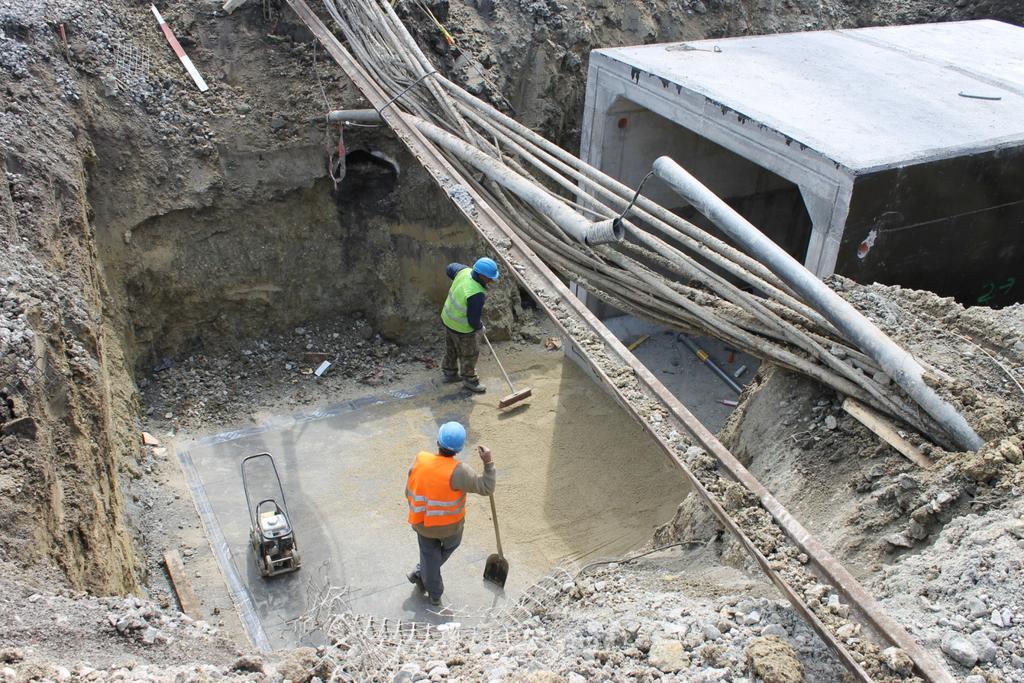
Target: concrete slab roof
{"x":867,"y":99}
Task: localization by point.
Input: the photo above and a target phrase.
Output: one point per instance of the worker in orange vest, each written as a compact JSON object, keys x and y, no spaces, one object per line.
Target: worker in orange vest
{"x":436,"y":493}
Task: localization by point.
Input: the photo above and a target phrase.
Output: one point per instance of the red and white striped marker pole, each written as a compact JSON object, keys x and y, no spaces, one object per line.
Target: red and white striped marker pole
{"x":176,"y":46}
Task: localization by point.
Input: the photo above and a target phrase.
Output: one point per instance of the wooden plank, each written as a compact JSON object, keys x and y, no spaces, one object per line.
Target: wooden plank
{"x":885,"y":430}
{"x":182,"y":588}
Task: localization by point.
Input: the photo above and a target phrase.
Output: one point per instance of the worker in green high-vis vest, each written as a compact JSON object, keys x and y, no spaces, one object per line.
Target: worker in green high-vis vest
{"x":461,"y":315}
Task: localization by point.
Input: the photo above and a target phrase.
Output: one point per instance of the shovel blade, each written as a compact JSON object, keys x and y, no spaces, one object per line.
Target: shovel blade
{"x":496,"y":569}
{"x":515,"y":397}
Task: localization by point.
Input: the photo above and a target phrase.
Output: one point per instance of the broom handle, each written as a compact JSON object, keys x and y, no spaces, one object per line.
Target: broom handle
{"x":511,"y":387}
{"x":494,"y":516}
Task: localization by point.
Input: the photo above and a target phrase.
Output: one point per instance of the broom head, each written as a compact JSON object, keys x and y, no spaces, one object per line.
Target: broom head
{"x":515,"y":397}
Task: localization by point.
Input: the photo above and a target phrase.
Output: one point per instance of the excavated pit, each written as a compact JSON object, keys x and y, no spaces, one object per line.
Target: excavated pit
{"x":577,"y":480}
{"x":217,"y":266}
{"x":228,"y":294}
{"x":185,"y":260}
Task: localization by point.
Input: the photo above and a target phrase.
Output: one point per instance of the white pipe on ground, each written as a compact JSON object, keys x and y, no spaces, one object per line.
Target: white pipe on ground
{"x":893,"y":359}
{"x":354,"y":116}
{"x":574,"y":225}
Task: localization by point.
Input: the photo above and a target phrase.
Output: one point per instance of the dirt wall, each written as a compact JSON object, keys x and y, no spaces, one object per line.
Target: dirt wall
{"x":236,"y":229}
{"x":67,"y":424}
{"x":241,"y":268}
{"x":142,"y":219}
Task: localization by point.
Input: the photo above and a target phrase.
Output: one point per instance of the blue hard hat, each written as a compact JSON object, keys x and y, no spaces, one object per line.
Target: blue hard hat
{"x":486,"y":267}
{"x":452,"y":436}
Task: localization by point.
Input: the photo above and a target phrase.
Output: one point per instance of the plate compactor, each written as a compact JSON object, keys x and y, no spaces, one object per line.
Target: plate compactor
{"x":270,"y":531}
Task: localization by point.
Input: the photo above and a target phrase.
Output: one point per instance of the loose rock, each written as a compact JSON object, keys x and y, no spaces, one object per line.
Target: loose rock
{"x":667,"y":656}
{"x":960,"y":650}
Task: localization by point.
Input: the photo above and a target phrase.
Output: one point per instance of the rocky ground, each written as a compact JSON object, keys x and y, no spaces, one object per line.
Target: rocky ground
{"x":55,"y":633}
{"x":937,"y":546}
{"x":235,"y":381}
{"x":963,"y":592}
{"x":645,"y":620}
{"x":86,"y":324}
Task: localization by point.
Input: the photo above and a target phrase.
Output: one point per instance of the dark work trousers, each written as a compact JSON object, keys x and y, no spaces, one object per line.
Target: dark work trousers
{"x":460,"y":355}
{"x":434,"y":552}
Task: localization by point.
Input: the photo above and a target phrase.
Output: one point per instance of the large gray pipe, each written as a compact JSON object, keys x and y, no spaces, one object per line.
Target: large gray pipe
{"x":574,"y":225}
{"x":895,"y":361}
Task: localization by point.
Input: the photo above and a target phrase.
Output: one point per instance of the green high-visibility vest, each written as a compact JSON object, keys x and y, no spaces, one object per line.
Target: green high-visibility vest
{"x":455,"y":311}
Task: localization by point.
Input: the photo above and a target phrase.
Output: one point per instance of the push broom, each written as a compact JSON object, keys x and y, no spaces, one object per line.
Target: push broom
{"x":515,"y":396}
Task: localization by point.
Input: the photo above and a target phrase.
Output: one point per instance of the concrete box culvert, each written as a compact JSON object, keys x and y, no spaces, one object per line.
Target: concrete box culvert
{"x":887,"y":154}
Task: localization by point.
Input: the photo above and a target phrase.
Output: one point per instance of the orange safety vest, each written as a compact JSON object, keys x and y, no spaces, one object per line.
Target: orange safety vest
{"x":432,"y":500}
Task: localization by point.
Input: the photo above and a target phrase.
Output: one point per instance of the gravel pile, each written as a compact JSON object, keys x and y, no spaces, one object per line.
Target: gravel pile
{"x":962,"y":594}
{"x":53,"y":632}
{"x":626,"y":622}
{"x":297,"y":667}
{"x":231,"y":381}
{"x":32,"y":670}
{"x":301,"y":665}
{"x":147,"y":623}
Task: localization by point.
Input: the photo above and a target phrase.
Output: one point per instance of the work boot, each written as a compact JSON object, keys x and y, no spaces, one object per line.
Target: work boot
{"x":474,"y":386}
{"x":434,"y":602}
{"x":450,"y":377}
{"x":414,"y":577}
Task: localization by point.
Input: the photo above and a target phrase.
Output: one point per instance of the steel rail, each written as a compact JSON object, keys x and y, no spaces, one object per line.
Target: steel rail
{"x":574,"y":320}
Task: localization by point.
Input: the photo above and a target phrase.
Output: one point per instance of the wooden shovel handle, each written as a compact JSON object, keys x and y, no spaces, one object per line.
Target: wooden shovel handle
{"x":501,"y":367}
{"x":497,"y":534}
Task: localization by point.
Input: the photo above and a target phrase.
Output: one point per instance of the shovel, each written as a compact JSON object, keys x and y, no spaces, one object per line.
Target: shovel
{"x":515,"y":396}
{"x":496,"y":569}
